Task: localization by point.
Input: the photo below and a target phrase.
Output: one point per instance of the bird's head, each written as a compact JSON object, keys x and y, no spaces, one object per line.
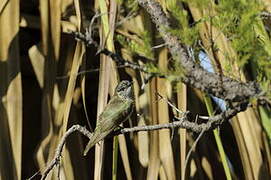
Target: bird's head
{"x":125,"y":90}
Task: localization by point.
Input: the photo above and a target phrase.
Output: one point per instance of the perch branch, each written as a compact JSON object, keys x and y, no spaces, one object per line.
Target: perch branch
{"x":57,"y":157}
{"x":181,"y":122}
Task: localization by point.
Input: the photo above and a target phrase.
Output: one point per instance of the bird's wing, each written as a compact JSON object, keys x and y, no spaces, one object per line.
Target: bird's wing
{"x":116,"y":110}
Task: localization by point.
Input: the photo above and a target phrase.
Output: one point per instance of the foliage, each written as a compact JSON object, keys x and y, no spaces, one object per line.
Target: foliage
{"x":187,"y":32}
{"x":142,"y":48}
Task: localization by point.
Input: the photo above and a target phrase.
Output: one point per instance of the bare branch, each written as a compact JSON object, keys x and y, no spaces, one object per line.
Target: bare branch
{"x":195,"y":75}
{"x":170,"y":104}
{"x":181,"y":122}
{"x":190,"y":152}
{"x":57,"y":157}
{"x":232,"y":90}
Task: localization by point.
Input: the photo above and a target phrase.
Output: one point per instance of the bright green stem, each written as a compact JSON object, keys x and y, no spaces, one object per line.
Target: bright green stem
{"x":210,"y":110}
{"x":115,"y":158}
{"x":265,"y":114}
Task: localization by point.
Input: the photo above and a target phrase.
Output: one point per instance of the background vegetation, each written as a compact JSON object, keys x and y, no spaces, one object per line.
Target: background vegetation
{"x":49,"y":82}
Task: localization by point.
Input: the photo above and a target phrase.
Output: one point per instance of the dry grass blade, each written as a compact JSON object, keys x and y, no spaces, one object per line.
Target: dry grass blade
{"x":10,"y":92}
{"x":83,"y":89}
{"x":162,"y":174}
{"x":55,"y":20}
{"x":3,"y":5}
{"x":64,"y":110}
{"x":182,"y":104}
{"x":141,"y":140}
{"x":142,"y":137}
{"x":37,"y":60}
{"x":102,"y":100}
{"x":54,"y":115}
{"x":48,"y":90}
{"x":65,"y":107}
{"x":165,"y":148}
{"x":104,"y":79}
{"x":113,"y":82}
{"x":154,"y":163}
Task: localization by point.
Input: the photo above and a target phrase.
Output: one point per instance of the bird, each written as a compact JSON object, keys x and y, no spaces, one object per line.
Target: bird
{"x":118,"y":110}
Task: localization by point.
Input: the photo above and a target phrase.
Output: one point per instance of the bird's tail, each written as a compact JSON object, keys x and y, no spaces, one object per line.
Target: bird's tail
{"x":93,"y":140}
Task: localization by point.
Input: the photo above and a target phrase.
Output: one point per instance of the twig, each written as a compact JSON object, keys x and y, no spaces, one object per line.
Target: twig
{"x":57,"y":157}
{"x":114,"y":56}
{"x":190,"y":152}
{"x":34,"y":175}
{"x":182,"y":122}
{"x":84,"y":72}
{"x":58,"y":171}
{"x":170,"y":104}
{"x":159,"y":46}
